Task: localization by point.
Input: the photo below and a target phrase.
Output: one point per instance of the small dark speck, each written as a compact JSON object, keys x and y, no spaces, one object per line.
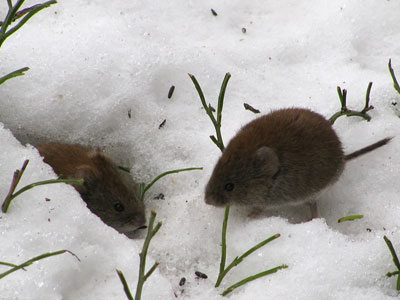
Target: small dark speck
{"x":182,"y":281}
{"x":162,"y":124}
{"x":394,"y":103}
{"x":201,"y":275}
{"x":48,"y":219}
{"x":159,"y":197}
{"x":244,"y":30}
{"x":369,"y":229}
{"x":129,"y":113}
{"x":214,"y":12}
{"x":171,"y":91}
{"x":251,"y":108}
{"x":47,"y":199}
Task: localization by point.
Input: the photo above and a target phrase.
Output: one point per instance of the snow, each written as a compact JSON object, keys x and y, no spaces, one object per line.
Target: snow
{"x":92,"y":61}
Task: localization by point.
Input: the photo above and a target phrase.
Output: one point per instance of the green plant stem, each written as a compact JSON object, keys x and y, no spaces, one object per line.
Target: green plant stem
{"x":16,"y":73}
{"x":125,"y":285}
{"x":367,"y":107}
{"x":20,"y":13}
{"x":16,"y":178}
{"x":9,"y":264}
{"x":125,"y":169}
{"x":350,"y":218}
{"x":223,"y":247}
{"x":7,"y":201}
{"x":222,"y":270}
{"x":393,"y":252}
{"x":216,"y":121}
{"x":206,"y":107}
{"x":144,"y":188}
{"x":208,"y":110}
{"x":342,"y":98}
{"x":32,"y":260}
{"x":390,"y":274}
{"x":29,"y":15}
{"x":13,"y":15}
{"x":349,"y":113}
{"x":395,"y":83}
{"x":142,"y":266}
{"x":215,"y":141}
{"x":12,"y":10}
{"x":152,"y":269}
{"x":395,"y":259}
{"x":143,"y":255}
{"x":344,"y":111}
{"x":221,"y":97}
{"x":251,"y":278}
{"x":239,"y":259}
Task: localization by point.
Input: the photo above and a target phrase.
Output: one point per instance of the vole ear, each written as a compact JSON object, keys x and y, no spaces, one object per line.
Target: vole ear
{"x":266,"y":160}
{"x":88,"y":176}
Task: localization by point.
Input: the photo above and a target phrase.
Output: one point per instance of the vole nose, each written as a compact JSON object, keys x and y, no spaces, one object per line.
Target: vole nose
{"x":209,"y":200}
{"x":141,"y":220}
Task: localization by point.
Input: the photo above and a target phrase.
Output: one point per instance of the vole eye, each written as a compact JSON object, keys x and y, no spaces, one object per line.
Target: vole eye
{"x":229,"y":187}
{"x":119,"y":207}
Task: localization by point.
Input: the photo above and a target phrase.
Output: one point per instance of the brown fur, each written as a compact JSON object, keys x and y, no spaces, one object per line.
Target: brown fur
{"x":280,"y":158}
{"x":105,"y":188}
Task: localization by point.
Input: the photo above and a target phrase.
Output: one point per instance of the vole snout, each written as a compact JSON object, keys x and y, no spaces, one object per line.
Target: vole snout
{"x":108,"y":193}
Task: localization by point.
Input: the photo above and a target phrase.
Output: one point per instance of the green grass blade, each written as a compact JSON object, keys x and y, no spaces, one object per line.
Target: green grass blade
{"x":125,"y":285}
{"x":223,"y":248}
{"x":29,"y":15}
{"x":395,"y":82}
{"x":32,"y":260}
{"x":350,"y":218}
{"x":147,"y":187}
{"x":393,"y":252}
{"x":16,"y":73}
{"x":7,"y":201}
{"x":251,"y":278}
{"x":239,"y":259}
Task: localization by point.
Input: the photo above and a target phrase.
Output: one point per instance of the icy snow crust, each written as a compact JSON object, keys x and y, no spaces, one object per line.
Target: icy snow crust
{"x":93,"y":61}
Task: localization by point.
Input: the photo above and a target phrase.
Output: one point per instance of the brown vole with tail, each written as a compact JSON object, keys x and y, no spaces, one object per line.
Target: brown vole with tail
{"x":284,"y":157}
{"x":106,"y":191}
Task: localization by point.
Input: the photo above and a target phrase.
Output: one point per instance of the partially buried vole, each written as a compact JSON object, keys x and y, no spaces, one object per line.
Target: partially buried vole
{"x":106,"y":191}
{"x":284,"y":157}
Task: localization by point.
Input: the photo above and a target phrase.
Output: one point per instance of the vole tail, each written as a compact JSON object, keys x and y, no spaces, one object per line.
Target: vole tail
{"x":368,"y":149}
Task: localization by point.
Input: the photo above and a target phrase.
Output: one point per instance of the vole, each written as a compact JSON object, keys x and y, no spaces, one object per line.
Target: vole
{"x":282,"y":158}
{"x":107,"y":193}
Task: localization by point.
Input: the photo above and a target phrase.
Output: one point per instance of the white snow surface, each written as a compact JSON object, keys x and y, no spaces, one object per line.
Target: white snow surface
{"x":92,"y":61}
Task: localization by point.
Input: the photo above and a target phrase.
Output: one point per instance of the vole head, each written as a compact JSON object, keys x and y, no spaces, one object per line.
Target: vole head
{"x":242,"y":177}
{"x":109,"y":194}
